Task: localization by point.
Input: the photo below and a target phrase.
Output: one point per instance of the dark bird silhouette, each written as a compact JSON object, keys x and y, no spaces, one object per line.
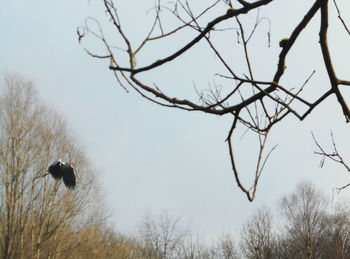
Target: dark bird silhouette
{"x":60,"y":170}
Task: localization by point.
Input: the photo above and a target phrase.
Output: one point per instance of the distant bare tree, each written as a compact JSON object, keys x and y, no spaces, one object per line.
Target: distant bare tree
{"x":256,"y":236}
{"x":191,"y":247}
{"x":335,"y":241}
{"x":305,"y":212}
{"x":222,"y":248}
{"x":161,"y":235}
{"x":225,"y":247}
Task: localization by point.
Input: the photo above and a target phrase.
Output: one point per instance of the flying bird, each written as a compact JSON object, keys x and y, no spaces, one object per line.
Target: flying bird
{"x":59,"y":170}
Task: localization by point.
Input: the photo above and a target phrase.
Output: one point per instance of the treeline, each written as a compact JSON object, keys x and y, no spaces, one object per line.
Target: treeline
{"x":40,"y":218}
{"x":309,"y":226}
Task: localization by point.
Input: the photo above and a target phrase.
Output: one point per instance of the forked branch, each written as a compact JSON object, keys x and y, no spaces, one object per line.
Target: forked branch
{"x":255,"y":104}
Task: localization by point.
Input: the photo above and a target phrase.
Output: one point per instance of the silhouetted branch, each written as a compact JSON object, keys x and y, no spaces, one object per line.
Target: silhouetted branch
{"x":334,"y":156}
{"x":257,"y":105}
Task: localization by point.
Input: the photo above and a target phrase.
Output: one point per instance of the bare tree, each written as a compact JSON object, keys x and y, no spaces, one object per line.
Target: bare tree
{"x":256,"y":236}
{"x":190,"y":247}
{"x":161,"y":235}
{"x":35,"y":211}
{"x":305,"y":212}
{"x":254,"y":102}
{"x":335,"y":241}
{"x":225,"y":247}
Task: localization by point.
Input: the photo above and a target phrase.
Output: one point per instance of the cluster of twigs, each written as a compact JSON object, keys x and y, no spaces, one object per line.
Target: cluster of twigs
{"x":334,"y":156}
{"x":259,"y":108}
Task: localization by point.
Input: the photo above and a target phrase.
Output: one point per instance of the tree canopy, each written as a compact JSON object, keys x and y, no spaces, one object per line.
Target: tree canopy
{"x":36,"y":212}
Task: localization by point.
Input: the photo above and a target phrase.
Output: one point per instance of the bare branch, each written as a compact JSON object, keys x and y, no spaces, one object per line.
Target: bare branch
{"x":257,"y":105}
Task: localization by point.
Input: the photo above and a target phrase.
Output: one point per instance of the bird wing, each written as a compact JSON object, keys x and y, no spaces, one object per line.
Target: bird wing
{"x":68,"y":176}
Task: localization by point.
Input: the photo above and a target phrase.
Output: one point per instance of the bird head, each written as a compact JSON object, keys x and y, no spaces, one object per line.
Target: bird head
{"x":72,"y":164}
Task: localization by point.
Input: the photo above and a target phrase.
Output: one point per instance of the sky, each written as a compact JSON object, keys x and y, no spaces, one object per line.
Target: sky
{"x":159,"y":159}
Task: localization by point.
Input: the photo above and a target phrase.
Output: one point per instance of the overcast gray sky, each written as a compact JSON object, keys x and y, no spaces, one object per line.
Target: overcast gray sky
{"x":151,"y":157}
